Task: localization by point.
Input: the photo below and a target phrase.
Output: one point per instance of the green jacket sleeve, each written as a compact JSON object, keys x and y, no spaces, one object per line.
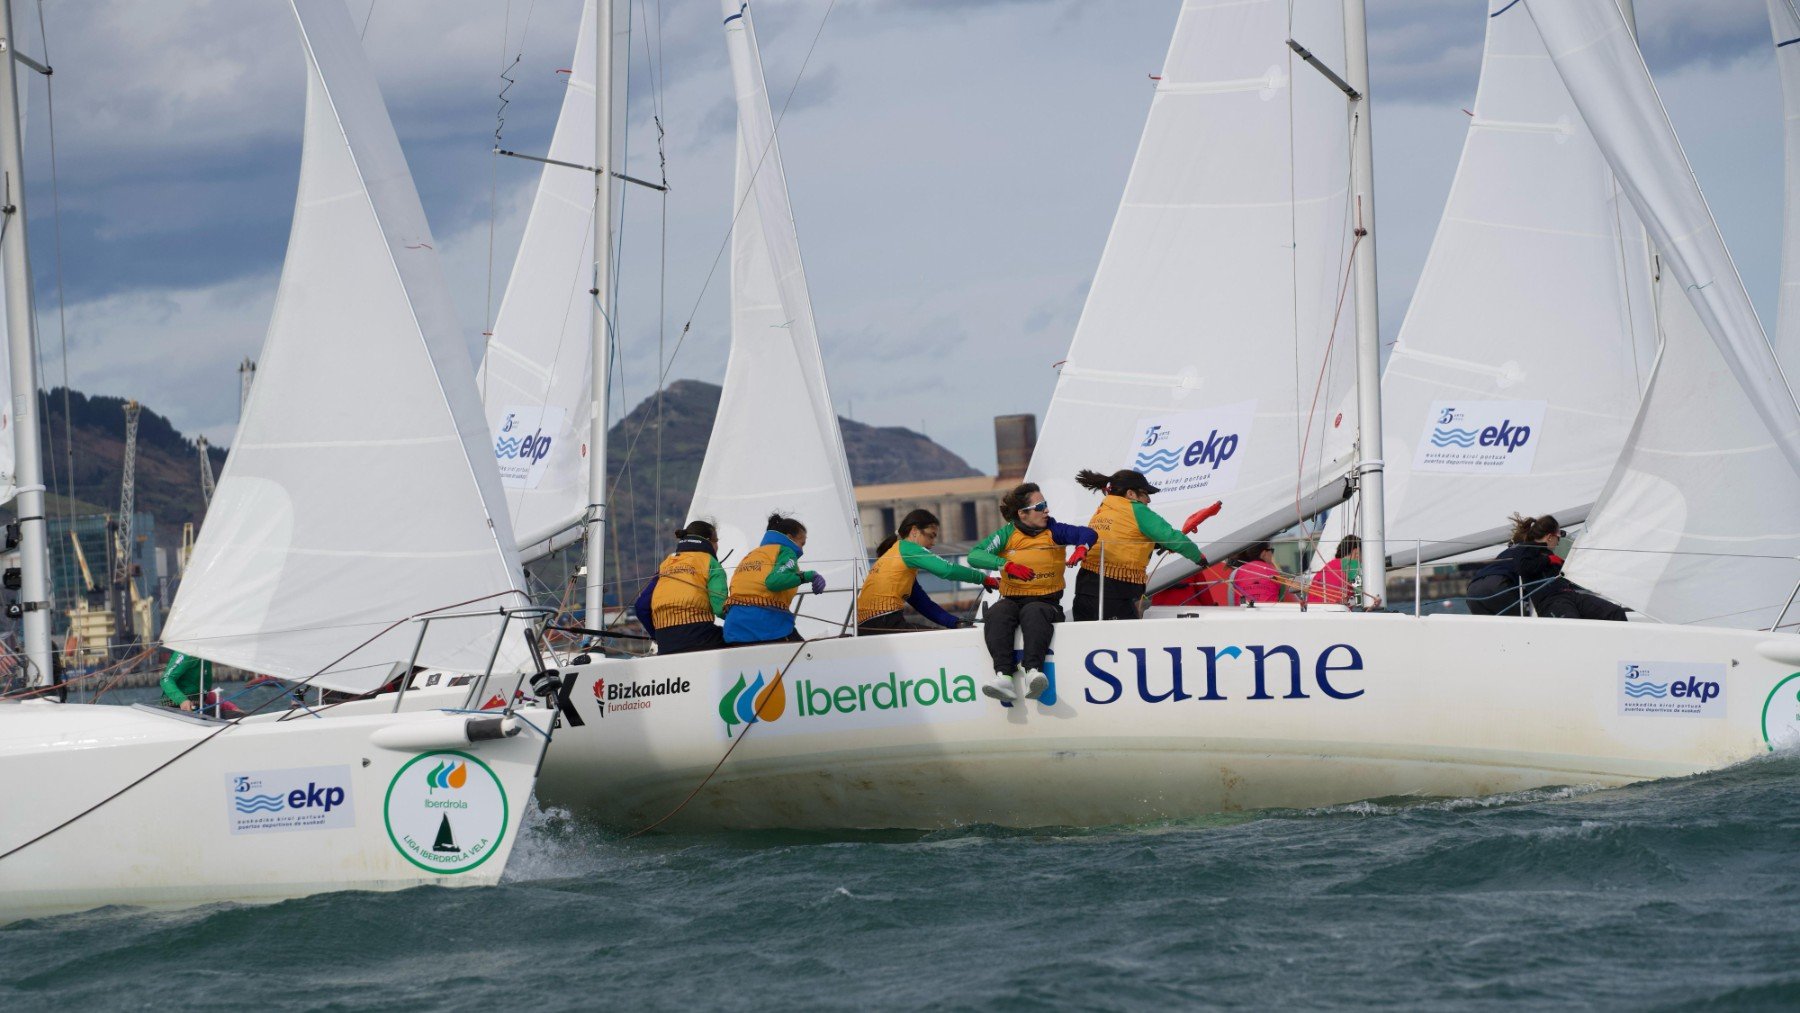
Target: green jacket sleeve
{"x":787,"y":573}
{"x":920,"y":558}
{"x":1164,"y":534}
{"x":986,"y":556}
{"x":716,"y":588}
{"x":181,"y":678}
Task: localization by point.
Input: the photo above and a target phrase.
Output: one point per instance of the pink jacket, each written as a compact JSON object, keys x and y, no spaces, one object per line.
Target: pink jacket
{"x":1256,"y":581}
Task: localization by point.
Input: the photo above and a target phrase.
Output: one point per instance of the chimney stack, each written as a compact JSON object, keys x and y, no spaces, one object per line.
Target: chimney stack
{"x":1015,"y":437}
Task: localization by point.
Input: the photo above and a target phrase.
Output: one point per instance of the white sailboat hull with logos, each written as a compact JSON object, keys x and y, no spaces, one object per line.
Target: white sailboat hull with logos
{"x":269,"y":809}
{"x":1376,"y":706}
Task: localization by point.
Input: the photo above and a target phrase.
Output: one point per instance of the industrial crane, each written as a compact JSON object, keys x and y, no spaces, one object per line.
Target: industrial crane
{"x":124,"y":568}
{"x":206,"y":475}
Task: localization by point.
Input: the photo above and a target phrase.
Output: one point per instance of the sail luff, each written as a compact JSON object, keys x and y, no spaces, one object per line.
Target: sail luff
{"x":1784,"y":24}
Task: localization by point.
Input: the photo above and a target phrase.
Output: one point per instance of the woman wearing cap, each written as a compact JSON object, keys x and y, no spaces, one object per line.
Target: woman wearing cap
{"x":1128,"y":531}
{"x":678,"y":605}
{"x":764,"y":585}
{"x":893,"y":581}
{"x":1028,"y":552}
{"x":1529,"y":570}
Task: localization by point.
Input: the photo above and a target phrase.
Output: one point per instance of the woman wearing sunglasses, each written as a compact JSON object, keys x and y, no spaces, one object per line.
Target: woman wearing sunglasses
{"x":1529,"y":570}
{"x":1028,"y":552}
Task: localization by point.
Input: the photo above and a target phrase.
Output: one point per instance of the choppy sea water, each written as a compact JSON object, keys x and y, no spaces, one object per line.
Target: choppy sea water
{"x":1679,"y":894}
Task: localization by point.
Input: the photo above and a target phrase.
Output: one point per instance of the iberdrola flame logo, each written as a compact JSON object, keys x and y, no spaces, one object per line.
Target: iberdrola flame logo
{"x":746,"y":704}
{"x":447,"y":775}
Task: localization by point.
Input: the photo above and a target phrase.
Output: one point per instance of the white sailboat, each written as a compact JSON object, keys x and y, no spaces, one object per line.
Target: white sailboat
{"x":1231,"y":708}
{"x":358,"y":493}
{"x":1532,"y":318}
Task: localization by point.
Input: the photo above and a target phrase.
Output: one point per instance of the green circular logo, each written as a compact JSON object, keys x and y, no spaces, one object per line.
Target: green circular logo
{"x":1781,"y":715}
{"x":446,"y":811}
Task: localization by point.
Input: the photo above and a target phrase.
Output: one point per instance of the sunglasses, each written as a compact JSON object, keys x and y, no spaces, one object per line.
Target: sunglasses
{"x":1035,"y":508}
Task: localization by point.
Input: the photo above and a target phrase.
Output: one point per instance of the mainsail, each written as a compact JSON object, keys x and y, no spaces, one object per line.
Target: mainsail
{"x":1784,"y":21}
{"x":361,"y":487}
{"x":1696,"y":521}
{"x":1529,"y":340}
{"x":535,"y":379}
{"x":1214,"y":352}
{"x":775,"y":442}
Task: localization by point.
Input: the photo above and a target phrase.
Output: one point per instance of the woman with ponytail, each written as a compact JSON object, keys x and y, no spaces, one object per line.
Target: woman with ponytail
{"x":893,"y":582}
{"x":1028,"y":552}
{"x":1128,"y":532}
{"x":678,"y":605}
{"x":1529,"y":570}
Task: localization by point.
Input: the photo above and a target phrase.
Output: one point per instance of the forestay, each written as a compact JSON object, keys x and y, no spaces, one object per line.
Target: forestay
{"x":1212,"y":354}
{"x":775,"y":441}
{"x":361,"y":487}
{"x":1600,"y":64}
{"x":536,"y":376}
{"x":1530,"y":336}
{"x":1784,"y":21}
{"x":1701,"y":521}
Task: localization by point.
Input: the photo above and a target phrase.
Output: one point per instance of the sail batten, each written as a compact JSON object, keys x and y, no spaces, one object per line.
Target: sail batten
{"x":360,"y":490}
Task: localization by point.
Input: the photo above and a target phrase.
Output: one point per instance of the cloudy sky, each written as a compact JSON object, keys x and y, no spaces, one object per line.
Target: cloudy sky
{"x":954,"y":167}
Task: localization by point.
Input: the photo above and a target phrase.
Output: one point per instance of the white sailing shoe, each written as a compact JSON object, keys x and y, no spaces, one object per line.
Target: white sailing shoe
{"x":1036,"y":683}
{"x":1000,"y":688}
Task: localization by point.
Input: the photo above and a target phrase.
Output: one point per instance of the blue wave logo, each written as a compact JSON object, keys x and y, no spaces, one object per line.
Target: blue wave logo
{"x":1162,"y":460}
{"x":1638,"y":690}
{"x":1464,"y":438}
{"x":506,"y":447}
{"x":260,"y":804}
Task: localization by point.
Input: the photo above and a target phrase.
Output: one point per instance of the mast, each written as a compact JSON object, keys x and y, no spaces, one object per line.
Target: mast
{"x":1368,"y":320}
{"x":34,"y":548}
{"x":595,"y":598}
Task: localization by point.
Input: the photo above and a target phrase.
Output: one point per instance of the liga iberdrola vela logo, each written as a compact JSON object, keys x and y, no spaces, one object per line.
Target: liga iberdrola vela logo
{"x":746,"y":703}
{"x":446,"y":811}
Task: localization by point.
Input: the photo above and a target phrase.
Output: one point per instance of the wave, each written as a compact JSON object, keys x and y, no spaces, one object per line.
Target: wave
{"x":1163,"y":460}
{"x":1452,"y":437}
{"x":271,"y":805}
{"x":1640,"y":689}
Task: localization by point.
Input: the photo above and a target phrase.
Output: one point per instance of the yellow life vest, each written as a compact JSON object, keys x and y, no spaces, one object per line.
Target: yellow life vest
{"x":747,"y":587}
{"x":680,"y":596}
{"x":1041,"y":553}
{"x":890,"y":580}
{"x":1125,"y":548}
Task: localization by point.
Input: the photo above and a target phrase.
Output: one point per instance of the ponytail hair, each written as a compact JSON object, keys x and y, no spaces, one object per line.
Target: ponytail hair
{"x":886,"y":544}
{"x":1532,"y":529}
{"x":1092,"y":480}
{"x":698,"y":529}
{"x":1017,"y":498}
{"x":782,"y":524}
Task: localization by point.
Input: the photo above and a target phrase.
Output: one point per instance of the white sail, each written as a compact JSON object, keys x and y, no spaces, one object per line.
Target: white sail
{"x":361,"y":487}
{"x":535,"y":378}
{"x":9,"y":483}
{"x":1530,"y":336}
{"x":775,"y":442}
{"x":1701,"y":522}
{"x":1605,"y":74}
{"x":1212,"y":353}
{"x":1784,"y":22}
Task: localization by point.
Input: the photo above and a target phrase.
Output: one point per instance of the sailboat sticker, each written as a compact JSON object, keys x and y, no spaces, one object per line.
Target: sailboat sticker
{"x":445,"y":843}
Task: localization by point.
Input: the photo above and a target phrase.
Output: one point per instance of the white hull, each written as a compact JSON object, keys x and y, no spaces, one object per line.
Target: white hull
{"x":268,"y":809}
{"x":1434,"y":706}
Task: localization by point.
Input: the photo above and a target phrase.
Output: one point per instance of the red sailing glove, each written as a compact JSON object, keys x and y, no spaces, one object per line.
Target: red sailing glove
{"x":1017,"y":571}
{"x":1078,"y":555}
{"x":991,"y":582}
{"x":1199,"y":517}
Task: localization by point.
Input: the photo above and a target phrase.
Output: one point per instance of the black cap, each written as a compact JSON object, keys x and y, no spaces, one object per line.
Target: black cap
{"x":1130,"y":481}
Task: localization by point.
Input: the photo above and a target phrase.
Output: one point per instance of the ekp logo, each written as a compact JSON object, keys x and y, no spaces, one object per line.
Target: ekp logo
{"x":524,"y":448}
{"x":446,"y":775}
{"x":1506,"y":436}
{"x":747,"y":703}
{"x":1214,"y":449}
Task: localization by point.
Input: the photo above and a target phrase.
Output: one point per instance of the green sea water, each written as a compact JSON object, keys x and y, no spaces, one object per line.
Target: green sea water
{"x":1679,"y":894}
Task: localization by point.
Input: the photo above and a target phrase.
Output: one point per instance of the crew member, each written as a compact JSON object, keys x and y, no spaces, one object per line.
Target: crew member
{"x":1257,"y":578}
{"x":678,"y":605}
{"x":186,"y":680}
{"x":1529,"y":570}
{"x":764,"y":584}
{"x":1028,"y":552}
{"x":1128,"y":530}
{"x":893,"y":580}
{"x":1336,"y":581}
